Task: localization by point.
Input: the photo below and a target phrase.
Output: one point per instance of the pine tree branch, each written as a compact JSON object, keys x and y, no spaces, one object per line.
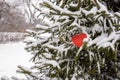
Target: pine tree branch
{"x":63,"y":3}
{"x":58,"y":9}
{"x":77,"y":7}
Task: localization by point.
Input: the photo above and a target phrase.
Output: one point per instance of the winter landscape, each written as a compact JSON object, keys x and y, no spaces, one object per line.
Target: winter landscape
{"x":60,"y":40}
{"x":12,"y":55}
{"x":12,"y":47}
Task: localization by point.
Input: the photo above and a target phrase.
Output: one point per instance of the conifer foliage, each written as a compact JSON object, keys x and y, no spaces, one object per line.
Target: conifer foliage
{"x":55,"y":55}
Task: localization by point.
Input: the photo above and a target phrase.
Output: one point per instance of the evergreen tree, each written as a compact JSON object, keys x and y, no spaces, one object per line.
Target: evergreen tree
{"x":54,"y":52}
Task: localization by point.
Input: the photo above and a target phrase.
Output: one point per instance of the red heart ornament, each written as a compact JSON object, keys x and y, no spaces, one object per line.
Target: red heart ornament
{"x":78,"y":39}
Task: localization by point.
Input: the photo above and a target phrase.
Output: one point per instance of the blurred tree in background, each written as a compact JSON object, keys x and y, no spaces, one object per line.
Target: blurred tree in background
{"x":11,"y":18}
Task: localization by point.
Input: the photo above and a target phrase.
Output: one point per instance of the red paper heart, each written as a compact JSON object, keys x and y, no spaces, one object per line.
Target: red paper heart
{"x":78,"y":39}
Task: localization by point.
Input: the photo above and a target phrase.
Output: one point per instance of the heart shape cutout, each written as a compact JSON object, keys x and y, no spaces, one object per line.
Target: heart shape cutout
{"x":78,"y":39}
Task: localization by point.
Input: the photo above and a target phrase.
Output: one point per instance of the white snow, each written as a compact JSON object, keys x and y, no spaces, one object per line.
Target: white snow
{"x":98,"y":65}
{"x":51,"y":62}
{"x":5,"y":78}
{"x":12,"y":55}
{"x":57,"y":8}
{"x":47,"y":55}
{"x":91,"y":55}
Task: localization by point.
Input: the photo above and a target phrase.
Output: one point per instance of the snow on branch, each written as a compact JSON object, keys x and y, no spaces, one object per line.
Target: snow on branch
{"x":105,"y":40}
{"x":28,"y":72}
{"x":58,"y":9}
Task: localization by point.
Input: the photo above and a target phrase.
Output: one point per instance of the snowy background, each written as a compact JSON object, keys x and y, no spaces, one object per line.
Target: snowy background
{"x":12,"y":55}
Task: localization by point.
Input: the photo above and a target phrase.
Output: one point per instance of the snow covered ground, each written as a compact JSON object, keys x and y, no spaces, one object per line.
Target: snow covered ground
{"x":12,"y":55}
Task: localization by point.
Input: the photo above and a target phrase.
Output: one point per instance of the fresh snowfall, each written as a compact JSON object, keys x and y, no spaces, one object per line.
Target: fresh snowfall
{"x":12,"y":55}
